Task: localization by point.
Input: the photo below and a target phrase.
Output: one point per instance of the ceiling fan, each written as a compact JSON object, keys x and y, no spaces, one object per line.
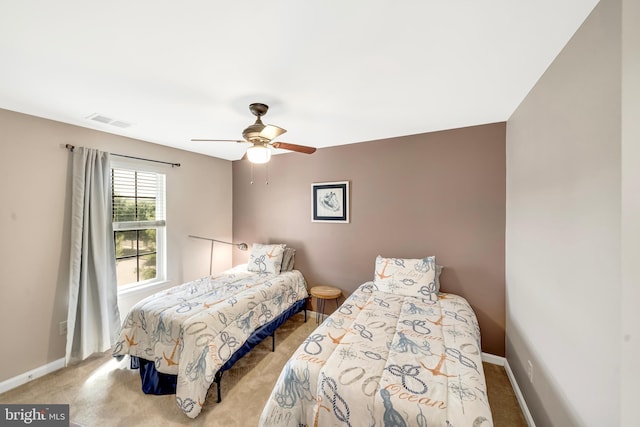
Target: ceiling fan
{"x":261,"y":137}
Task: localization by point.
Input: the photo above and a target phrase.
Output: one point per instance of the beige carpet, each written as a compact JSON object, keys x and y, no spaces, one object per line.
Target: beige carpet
{"x":104,"y":392}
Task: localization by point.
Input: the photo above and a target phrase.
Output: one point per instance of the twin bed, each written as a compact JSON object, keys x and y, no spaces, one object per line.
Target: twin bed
{"x":397,"y":352}
{"x":184,"y":338}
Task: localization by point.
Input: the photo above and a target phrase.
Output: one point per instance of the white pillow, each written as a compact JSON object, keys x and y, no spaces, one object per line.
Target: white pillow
{"x":406,"y":276}
{"x":266,"y":258}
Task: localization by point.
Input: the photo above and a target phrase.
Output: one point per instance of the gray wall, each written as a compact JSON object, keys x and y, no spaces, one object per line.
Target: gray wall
{"x":440,"y":193}
{"x":563,"y":232}
{"x":35,"y":223}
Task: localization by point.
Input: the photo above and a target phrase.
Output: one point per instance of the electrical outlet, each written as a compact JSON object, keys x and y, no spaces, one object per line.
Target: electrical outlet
{"x":530,"y":370}
{"x":63,"y":328}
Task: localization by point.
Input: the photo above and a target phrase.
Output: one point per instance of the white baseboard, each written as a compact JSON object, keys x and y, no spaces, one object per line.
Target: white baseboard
{"x":18,"y":380}
{"x":523,"y":405}
{"x":493,"y":359}
{"x":501,"y":361}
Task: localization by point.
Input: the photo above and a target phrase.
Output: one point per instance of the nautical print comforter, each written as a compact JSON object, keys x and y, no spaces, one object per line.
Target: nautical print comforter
{"x":386,"y":360}
{"x":191,"y":330}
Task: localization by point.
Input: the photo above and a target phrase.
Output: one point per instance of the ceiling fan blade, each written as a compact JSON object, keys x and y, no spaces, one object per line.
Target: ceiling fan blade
{"x":294,"y":147}
{"x":218,"y":140}
{"x":271,"y":132}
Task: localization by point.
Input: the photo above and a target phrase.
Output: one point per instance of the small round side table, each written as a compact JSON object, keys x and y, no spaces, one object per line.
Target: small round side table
{"x":322,"y":294}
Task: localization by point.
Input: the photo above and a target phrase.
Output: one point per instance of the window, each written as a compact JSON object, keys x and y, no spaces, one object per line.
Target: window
{"x":139,"y":225}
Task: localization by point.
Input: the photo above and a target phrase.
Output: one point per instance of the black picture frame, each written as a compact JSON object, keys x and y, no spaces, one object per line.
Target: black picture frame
{"x":330,"y":202}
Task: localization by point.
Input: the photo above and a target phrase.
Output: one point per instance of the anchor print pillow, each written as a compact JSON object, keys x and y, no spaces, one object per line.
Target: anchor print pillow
{"x":266,"y":258}
{"x":406,"y":276}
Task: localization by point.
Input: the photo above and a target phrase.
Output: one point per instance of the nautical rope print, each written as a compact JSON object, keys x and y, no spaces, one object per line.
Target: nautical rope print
{"x":386,"y":360}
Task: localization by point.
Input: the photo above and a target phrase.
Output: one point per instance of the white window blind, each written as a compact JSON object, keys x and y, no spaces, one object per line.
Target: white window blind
{"x":138,"y":199}
{"x":139,"y":223}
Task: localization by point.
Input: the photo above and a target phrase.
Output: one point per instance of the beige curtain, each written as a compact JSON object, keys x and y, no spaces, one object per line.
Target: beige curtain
{"x":93,"y":319}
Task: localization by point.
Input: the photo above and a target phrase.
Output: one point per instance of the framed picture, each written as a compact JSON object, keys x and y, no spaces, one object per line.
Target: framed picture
{"x":330,"y":201}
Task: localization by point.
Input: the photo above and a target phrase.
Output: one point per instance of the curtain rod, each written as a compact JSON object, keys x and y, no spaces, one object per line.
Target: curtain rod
{"x":72,"y":147}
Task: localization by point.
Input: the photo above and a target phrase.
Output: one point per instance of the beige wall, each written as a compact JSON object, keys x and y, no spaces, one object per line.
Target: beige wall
{"x":564,"y":231}
{"x":35,"y":224}
{"x":630,"y":368}
{"x":440,"y":193}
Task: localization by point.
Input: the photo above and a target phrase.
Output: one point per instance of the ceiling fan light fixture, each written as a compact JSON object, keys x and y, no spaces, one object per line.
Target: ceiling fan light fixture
{"x":259,"y":154}
{"x":261,"y":137}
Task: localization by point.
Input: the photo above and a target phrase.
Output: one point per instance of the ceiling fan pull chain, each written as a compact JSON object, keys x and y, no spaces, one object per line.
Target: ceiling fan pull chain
{"x":266,"y":182}
{"x":251,"y":173}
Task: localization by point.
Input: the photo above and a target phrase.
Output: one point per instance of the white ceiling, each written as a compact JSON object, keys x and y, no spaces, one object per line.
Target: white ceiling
{"x":333,"y":72}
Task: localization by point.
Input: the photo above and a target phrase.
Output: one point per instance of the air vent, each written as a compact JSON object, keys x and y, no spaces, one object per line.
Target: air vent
{"x":108,"y":120}
{"x":99,"y":118}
